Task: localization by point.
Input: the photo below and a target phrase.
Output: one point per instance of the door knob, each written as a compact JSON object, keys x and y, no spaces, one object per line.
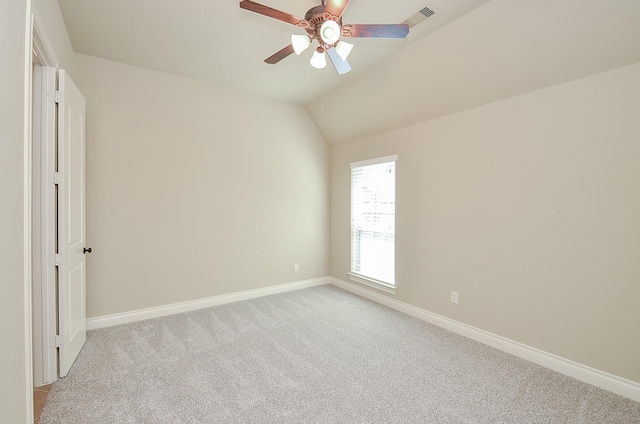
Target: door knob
{"x":85,"y":250}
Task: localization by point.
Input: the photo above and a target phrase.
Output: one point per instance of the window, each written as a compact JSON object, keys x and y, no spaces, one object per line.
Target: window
{"x":373,"y":222}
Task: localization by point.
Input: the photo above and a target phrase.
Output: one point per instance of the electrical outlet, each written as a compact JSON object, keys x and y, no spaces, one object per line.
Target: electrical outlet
{"x":454,"y":297}
{"x":296,"y":268}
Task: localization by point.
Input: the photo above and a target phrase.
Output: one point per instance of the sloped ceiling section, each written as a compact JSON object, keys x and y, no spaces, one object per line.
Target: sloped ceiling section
{"x":218,"y":42}
{"x":499,"y":50}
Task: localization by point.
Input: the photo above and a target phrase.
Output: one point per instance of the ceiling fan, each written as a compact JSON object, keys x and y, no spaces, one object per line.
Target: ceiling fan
{"x":324,"y":24}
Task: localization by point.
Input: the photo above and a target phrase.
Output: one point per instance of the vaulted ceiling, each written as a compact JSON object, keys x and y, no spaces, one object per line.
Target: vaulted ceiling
{"x":471,"y":52}
{"x":216,"y":41}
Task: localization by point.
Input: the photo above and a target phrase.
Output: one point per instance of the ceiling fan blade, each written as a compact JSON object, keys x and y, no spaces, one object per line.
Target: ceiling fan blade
{"x":273,"y":13}
{"x":335,"y":7}
{"x":375,"y":30}
{"x":272,"y":60}
{"x":342,"y":66}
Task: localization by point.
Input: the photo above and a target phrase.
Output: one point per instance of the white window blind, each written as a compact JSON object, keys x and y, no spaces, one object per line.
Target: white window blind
{"x":373,"y":220}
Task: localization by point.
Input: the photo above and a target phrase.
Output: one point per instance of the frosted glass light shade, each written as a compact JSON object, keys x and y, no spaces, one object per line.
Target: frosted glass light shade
{"x":300,"y":43}
{"x":330,"y":31}
{"x":343,"y":49}
{"x":318,"y":60}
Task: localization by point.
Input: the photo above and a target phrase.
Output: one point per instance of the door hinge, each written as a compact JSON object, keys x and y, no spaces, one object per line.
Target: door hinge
{"x":56,"y":96}
{"x":59,"y":341}
{"x":57,"y":177}
{"x":58,"y":259}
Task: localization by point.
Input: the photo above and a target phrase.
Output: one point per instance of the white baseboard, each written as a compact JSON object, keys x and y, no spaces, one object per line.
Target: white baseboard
{"x":192,"y":305}
{"x":606,"y":381}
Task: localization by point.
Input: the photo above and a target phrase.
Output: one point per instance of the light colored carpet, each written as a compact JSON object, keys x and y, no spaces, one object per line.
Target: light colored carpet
{"x":318,"y":355}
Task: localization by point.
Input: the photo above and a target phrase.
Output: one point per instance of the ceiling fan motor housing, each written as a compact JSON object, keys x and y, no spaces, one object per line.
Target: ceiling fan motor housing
{"x":316,"y":17}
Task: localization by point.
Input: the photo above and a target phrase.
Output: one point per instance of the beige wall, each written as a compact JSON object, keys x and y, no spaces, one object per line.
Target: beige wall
{"x":15,"y":354}
{"x":195,"y":191}
{"x":529,"y":208}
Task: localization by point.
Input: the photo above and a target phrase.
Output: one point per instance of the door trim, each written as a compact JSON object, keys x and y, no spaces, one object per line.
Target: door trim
{"x":42,"y":45}
{"x":42,"y":203}
{"x":26,"y":214}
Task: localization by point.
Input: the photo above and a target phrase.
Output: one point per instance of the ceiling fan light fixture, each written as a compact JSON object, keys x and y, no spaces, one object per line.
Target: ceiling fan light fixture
{"x":330,"y":32}
{"x":343,"y":49}
{"x":300,"y":43}
{"x":318,"y":60}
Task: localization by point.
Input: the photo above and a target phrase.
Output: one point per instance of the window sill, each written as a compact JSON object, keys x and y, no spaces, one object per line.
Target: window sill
{"x":379,"y":285}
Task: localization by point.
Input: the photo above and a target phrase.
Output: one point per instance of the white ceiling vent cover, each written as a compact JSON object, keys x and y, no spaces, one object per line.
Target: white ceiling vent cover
{"x":420,"y":16}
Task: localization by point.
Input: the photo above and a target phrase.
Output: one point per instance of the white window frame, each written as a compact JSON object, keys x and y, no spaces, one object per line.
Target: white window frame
{"x":354,"y":275}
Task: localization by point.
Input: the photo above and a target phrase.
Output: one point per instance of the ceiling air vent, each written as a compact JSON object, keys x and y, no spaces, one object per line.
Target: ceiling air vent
{"x":420,"y":16}
{"x":427,"y":12}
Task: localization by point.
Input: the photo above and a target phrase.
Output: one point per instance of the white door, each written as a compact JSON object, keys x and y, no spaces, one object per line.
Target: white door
{"x":71,"y":223}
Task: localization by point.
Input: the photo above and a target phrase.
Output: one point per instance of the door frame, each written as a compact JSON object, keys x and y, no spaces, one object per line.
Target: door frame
{"x":43,"y":198}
